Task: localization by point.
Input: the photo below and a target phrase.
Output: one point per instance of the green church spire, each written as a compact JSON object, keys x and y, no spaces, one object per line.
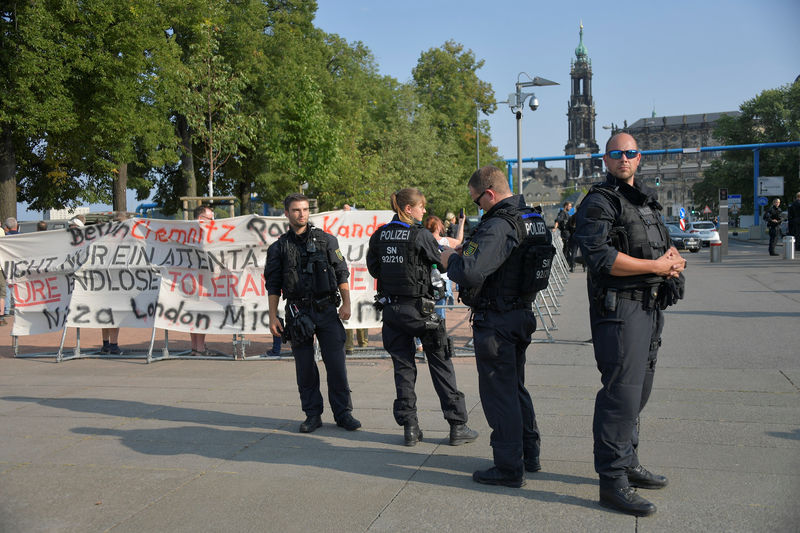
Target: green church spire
{"x":580,"y":51}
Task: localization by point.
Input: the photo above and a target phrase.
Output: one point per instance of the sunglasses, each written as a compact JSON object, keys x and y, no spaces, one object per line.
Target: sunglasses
{"x":478,"y":199}
{"x":617,"y":154}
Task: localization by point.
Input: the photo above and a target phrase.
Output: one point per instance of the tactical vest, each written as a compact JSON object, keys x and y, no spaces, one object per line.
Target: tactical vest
{"x":527,"y":269}
{"x":638,"y":232}
{"x":402,"y":271}
{"x":307,"y":273}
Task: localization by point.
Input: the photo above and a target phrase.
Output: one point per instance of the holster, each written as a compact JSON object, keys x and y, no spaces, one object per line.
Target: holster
{"x":426,"y":306}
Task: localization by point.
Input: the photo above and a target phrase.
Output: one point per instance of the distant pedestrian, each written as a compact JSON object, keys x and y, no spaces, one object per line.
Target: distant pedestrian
{"x":794,"y":221}
{"x":2,"y":288}
{"x":562,"y":224}
{"x":773,"y":218}
{"x":450,"y":225}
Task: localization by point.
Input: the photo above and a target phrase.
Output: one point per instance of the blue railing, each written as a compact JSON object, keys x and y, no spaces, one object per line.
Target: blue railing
{"x":756,"y":148}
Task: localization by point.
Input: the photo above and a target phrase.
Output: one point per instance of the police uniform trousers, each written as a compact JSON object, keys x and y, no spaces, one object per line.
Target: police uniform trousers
{"x":501,"y":339}
{"x":626,"y":344}
{"x":330,"y":334}
{"x":774,"y":236}
{"x":401,"y":323}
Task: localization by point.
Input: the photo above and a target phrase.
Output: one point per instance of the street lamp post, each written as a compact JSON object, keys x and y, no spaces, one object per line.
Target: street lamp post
{"x":477,"y":135}
{"x":516,"y":102}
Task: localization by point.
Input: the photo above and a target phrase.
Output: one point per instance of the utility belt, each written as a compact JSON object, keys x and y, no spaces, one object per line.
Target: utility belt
{"x":607,"y":298}
{"x":317,"y":304}
{"x":426,"y":306}
{"x":499,"y":304}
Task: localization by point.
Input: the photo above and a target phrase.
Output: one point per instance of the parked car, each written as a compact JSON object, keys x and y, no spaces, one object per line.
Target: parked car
{"x":705,"y":229}
{"x":29,"y":226}
{"x":683,"y":240}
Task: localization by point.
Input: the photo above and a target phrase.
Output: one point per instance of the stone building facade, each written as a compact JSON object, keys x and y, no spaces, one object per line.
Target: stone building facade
{"x":673,"y":175}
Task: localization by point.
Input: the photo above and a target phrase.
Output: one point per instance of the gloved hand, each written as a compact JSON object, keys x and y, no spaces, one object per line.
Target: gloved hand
{"x":670,"y":291}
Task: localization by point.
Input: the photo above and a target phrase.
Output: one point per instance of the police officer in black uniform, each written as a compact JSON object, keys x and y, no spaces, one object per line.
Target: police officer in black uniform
{"x":774,"y":218}
{"x":499,"y":273}
{"x":794,"y":220}
{"x":306,"y":265}
{"x":562,"y":224}
{"x":634,"y":273}
{"x":401,"y":256}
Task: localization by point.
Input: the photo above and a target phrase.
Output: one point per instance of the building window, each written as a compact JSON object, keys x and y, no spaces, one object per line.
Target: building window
{"x":669,"y":195}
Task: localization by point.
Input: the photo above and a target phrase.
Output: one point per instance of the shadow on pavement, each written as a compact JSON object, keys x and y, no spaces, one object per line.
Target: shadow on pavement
{"x":208,"y":442}
{"x":794,"y":435}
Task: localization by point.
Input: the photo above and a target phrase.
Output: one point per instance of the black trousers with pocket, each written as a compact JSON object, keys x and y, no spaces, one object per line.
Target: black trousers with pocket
{"x":401,"y":323}
{"x":626,"y":343}
{"x":501,"y":339}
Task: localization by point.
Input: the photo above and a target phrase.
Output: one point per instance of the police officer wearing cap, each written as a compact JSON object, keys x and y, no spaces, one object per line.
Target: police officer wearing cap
{"x":306,"y":265}
{"x":634,"y":273}
{"x":499,"y":284}
{"x":402,"y":256}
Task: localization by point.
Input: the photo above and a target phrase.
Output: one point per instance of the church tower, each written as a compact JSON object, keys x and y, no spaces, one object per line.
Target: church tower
{"x":581,"y":115}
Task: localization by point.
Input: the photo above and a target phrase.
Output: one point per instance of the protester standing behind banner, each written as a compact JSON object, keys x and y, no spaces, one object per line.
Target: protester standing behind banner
{"x":362,"y":334}
{"x":2,"y":289}
{"x":110,"y":336}
{"x":308,"y":268}
{"x":202,"y":213}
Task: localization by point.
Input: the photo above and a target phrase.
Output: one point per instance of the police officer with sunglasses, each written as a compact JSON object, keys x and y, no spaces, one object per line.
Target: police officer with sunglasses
{"x":634,"y":273}
{"x":499,"y":270}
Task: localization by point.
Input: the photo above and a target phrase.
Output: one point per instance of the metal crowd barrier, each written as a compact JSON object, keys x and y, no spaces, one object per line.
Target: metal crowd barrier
{"x":546,"y":306}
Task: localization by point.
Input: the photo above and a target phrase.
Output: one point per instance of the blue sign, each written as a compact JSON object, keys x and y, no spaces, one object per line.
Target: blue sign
{"x":682,"y":213}
{"x":762,"y":201}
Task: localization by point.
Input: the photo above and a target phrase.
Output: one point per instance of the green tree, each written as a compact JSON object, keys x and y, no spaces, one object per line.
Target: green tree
{"x":36,"y":57}
{"x":772,"y":116}
{"x":121,"y":93}
{"x":447,"y":83}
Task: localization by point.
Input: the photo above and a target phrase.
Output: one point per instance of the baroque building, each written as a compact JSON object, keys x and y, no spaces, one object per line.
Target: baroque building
{"x":673,"y":175}
{"x":581,"y":117}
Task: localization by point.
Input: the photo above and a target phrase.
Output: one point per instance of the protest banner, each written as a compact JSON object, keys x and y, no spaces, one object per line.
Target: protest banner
{"x":191,"y":276}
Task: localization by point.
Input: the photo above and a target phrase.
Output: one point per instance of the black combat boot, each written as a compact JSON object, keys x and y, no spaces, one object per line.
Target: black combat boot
{"x":412,"y":433}
{"x":626,"y":500}
{"x":461,"y":434}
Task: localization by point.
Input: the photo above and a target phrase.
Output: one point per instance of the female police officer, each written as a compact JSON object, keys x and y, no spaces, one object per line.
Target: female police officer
{"x":401,"y":257}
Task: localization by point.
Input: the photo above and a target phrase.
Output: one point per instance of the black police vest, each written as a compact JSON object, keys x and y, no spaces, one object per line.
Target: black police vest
{"x":639,"y":232}
{"x":306,"y":270}
{"x":527,"y":269}
{"x":402,"y":271}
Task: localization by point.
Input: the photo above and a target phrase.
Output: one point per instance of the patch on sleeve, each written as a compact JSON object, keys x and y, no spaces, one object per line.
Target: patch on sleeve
{"x":594,"y":212}
{"x":472,"y":247}
{"x":339,"y":254}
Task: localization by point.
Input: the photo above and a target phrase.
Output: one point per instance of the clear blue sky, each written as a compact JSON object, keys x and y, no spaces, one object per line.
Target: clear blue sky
{"x":680,"y":57}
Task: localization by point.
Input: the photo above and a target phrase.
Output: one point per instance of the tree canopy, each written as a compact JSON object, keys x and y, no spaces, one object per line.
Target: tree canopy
{"x":247,"y":97}
{"x":772,"y":116}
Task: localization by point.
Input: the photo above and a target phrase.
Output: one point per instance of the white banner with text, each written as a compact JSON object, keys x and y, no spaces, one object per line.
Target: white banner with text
{"x":191,"y":276}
